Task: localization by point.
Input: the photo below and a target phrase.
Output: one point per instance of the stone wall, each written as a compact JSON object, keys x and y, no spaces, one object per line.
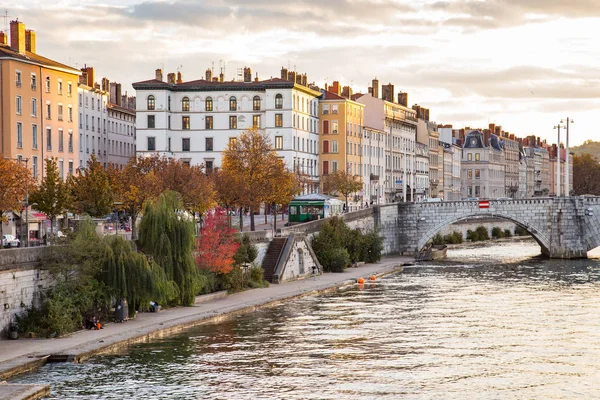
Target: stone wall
{"x":299,"y":262}
{"x":472,"y":224}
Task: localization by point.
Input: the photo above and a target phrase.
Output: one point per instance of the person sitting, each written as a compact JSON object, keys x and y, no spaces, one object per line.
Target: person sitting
{"x":89,"y":324}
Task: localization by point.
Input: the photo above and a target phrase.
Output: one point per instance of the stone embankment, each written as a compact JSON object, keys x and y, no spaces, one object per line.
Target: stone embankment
{"x":22,"y":355}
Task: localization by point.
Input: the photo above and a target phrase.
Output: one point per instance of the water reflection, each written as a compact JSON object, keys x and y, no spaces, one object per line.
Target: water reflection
{"x":491,"y":323}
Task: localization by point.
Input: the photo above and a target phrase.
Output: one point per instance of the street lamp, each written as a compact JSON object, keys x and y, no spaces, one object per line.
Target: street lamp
{"x":567,"y":168}
{"x":558,"y":159}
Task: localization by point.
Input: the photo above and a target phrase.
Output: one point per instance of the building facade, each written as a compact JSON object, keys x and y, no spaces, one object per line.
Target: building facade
{"x":421,"y":172}
{"x":374,"y":174}
{"x":482,"y":166}
{"x":39,"y":115}
{"x":121,"y":135}
{"x":194,"y":121}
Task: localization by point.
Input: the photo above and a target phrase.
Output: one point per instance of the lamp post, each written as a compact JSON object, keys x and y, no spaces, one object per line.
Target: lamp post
{"x":558,"y":160}
{"x":567,"y":168}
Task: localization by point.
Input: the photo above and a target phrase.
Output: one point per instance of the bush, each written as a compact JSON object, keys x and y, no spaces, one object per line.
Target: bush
{"x":256,"y":278}
{"x":247,"y":252}
{"x":338,"y":260}
{"x":507,"y":233}
{"x":438,"y":239}
{"x":372,"y":247}
{"x":482,"y":233}
{"x":452,"y":238}
{"x":458,"y":237}
{"x":497,"y":232}
{"x":520,"y":231}
{"x":472,"y":236}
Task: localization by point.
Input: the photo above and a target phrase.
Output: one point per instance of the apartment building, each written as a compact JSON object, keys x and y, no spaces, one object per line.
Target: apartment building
{"x":194,"y":121}
{"x":340,"y":142}
{"x":482,"y":166}
{"x":374,"y":174}
{"x":39,"y":110}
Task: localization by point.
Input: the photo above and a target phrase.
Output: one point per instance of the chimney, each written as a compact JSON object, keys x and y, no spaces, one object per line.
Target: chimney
{"x":335,"y":88}
{"x":298,"y":79}
{"x":87,"y":76}
{"x":304,"y":80}
{"x":426,"y":114}
{"x":486,"y":138}
{"x":247,"y":74}
{"x":492,"y":127}
{"x":291,"y":76}
{"x":284,"y":73}
{"x":526,"y":142}
{"x":387,"y":92}
{"x":179,"y":80}
{"x":512,"y":136}
{"x":118,"y":94}
{"x":256,"y":78}
{"x":30,"y":41}
{"x":105,"y":85}
{"x":208,"y":74}
{"x":171,"y":78}
{"x":215,"y":79}
{"x":17,"y":36}
{"x":3,"y":38}
{"x":158,"y":74}
{"x":403,"y":99}
{"x":347,"y":92}
{"x":375,"y":86}
{"x":221,"y":77}
{"x":539,"y":143}
{"x":498,"y":131}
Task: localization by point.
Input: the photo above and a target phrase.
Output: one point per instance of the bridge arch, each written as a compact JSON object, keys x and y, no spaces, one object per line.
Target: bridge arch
{"x":539,"y":236}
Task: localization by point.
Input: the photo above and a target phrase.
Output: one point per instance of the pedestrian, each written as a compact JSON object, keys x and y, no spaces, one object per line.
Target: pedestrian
{"x":314,"y":270}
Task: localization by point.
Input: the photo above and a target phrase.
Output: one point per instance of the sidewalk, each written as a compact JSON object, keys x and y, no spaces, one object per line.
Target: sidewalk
{"x":25,"y":354}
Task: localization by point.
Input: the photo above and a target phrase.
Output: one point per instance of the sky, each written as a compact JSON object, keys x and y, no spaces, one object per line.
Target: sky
{"x":521,"y":64}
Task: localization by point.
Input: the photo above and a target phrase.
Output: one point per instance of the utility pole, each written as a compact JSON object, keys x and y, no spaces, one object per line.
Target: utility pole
{"x":567,"y":167}
{"x":558,"y":161}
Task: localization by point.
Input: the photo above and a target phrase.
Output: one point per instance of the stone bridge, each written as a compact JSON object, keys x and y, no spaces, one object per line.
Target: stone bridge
{"x":564,"y":227}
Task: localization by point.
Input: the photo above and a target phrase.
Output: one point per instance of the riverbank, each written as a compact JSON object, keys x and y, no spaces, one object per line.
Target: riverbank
{"x":22,"y":355}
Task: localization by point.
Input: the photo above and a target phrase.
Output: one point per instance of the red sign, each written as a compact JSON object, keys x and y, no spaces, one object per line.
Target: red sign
{"x":484,"y":204}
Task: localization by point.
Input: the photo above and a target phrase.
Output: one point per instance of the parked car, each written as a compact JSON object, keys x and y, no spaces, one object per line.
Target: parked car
{"x":10,"y":241}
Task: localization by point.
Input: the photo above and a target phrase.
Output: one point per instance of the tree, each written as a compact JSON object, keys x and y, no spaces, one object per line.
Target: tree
{"x":282,"y":188}
{"x":14,"y":180}
{"x":341,"y":182}
{"x":586,"y":175}
{"x":167,"y":234}
{"x":51,"y":195}
{"x":252,"y":158}
{"x":228,"y":192}
{"x":92,"y":191}
{"x":216,"y":246}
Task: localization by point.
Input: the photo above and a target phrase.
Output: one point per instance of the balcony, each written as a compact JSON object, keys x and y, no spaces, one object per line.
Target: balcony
{"x":374,"y":177}
{"x":33,"y":86}
{"x":334,"y":111}
{"x":325,"y":111}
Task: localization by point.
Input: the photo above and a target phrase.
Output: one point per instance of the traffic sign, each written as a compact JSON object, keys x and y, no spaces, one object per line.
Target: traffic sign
{"x":484,"y":204}
{"x":398,"y":181}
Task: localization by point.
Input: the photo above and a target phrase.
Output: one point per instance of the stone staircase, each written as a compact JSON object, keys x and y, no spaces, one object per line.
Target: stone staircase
{"x":269,"y":263}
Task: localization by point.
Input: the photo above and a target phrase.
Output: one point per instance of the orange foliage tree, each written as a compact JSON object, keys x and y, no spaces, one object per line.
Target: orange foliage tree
{"x":14,"y":179}
{"x":228,"y":190}
{"x":216,"y":245}
{"x":92,"y":190}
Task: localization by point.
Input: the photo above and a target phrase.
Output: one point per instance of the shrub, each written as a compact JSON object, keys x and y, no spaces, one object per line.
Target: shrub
{"x":438,"y":239}
{"x":458,"y":237}
{"x":452,"y":238}
{"x":247,"y":252}
{"x":372,"y":248}
{"x":507,"y":233}
{"x":338,"y":260}
{"x":520,"y":231}
{"x":497,"y":232}
{"x":482,"y":233}
{"x":472,"y":236}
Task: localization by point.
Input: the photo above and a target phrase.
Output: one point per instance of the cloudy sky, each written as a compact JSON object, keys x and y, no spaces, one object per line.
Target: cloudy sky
{"x":523,"y":64}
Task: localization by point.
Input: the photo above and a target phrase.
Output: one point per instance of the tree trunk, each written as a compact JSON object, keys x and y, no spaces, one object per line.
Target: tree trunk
{"x":241,"y":219}
{"x":252,"y":225}
{"x":275,"y":220}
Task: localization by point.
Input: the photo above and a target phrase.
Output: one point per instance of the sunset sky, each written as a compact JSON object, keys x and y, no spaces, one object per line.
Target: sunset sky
{"x":522,"y":64}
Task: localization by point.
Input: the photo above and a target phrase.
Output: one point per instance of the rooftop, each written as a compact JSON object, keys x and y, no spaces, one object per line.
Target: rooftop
{"x":34,"y":58}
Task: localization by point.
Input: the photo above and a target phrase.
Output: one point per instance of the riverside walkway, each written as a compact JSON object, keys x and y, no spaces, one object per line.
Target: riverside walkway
{"x":22,"y":355}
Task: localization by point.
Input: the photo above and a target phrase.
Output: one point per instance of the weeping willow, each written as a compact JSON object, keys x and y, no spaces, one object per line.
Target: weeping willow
{"x":168,"y":237}
{"x":131,"y":276}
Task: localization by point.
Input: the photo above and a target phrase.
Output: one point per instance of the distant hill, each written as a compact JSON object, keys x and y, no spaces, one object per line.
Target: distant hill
{"x":589,"y":147}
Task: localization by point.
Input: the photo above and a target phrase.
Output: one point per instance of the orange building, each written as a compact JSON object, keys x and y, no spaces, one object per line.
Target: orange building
{"x":340,"y":141}
{"x":39,"y":110}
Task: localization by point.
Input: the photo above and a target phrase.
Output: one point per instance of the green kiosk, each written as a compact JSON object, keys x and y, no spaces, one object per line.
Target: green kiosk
{"x":310,"y":207}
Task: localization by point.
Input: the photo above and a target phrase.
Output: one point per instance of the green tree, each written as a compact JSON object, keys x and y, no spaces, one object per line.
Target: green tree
{"x":51,"y":195}
{"x":586,"y":175}
{"x":92,"y":191}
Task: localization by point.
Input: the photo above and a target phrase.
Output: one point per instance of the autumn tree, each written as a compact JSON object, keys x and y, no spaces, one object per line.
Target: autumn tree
{"x":91,"y":190}
{"x":281,"y":188}
{"x":252,"y":158}
{"x":14,"y":180}
{"x":586,"y":175}
{"x":343,"y":183}
{"x":227,"y":190}
{"x":216,"y":246}
{"x":51,"y":195}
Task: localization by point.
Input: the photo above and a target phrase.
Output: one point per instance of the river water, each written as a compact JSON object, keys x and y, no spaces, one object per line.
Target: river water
{"x":492,"y":322}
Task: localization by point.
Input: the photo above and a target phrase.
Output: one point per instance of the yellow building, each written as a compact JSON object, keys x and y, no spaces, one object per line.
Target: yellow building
{"x":340,"y":141}
{"x":39,"y":110}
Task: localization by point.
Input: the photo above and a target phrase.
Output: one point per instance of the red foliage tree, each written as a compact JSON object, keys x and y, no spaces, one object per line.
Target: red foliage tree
{"x":216,"y":245}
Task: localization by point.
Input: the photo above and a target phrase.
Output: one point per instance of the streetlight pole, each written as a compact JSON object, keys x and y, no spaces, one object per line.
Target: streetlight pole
{"x":567,"y":168}
{"x":558,"y":161}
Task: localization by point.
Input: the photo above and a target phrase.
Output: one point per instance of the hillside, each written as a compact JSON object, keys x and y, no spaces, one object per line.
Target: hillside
{"x":589,"y":147}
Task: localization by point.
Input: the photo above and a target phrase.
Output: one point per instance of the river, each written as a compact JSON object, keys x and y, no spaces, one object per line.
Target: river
{"x":491,"y":322}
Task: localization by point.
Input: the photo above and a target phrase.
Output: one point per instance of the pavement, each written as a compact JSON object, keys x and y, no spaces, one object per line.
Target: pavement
{"x":22,"y":355}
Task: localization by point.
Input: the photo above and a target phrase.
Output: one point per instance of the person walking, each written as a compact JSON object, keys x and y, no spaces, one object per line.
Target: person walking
{"x":314,"y":270}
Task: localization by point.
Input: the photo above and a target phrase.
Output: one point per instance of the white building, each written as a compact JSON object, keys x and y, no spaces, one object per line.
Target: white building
{"x":120,"y":145}
{"x":92,"y":119}
{"x":194,"y":121}
{"x":421,"y":172}
{"x":374,"y":174}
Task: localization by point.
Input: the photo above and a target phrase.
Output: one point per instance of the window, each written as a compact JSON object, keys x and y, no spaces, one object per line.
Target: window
{"x":256,"y":121}
{"x":470,"y":157}
{"x":47,"y":84}
{"x":232,"y":104}
{"x":208,"y":144}
{"x":48,"y":139}
{"x":185,"y":123}
{"x":61,"y":168}
{"x":469,"y":173}
{"x":18,"y":78}
{"x":151,"y":143}
{"x":334,"y":167}
{"x":208,"y":122}
{"x":93,"y":104}
{"x":151,"y":121}
{"x":256,"y":103}
{"x":477,"y":191}
{"x":60,"y":87}
{"x":278,"y":120}
{"x":70,"y":92}
{"x":151,"y":102}
{"x":71,"y":142}
{"x":325,"y":167}
{"x":60,"y":114}
{"x":470,"y":191}
{"x":209,"y":167}
{"x":71,"y":115}
{"x":185,"y":144}
{"x":35,"y":167}
{"x":325,"y":127}
{"x":19,"y":135}
{"x":334,"y":108}
{"x":232,"y":122}
{"x":477,"y":174}
{"x":279,"y":142}
{"x":185,"y":104}
{"x":325,"y":146}
{"x":279,"y":101}
{"x":19,"y":105}
{"x":208,"y":104}
{"x":169,"y":144}
{"x":61,"y":141}
{"x":33,"y":82}
{"x":169,"y":122}
{"x":334,"y":146}
{"x":70,"y":167}
{"x":477,"y":157}
{"x":334,"y":127}
{"x":34,"y":137}
{"x":48,"y":111}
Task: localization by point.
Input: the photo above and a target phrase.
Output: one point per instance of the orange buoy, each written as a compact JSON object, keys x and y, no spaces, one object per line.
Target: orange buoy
{"x":373,"y":277}
{"x":360,"y":281}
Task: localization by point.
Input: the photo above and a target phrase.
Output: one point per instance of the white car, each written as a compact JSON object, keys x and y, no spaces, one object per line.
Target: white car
{"x":10,"y":241}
